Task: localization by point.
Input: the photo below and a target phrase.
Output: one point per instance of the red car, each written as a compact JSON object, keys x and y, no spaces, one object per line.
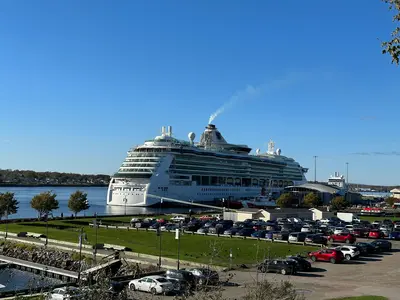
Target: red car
{"x":376,"y":234}
{"x":343,"y":237}
{"x":332,"y":255}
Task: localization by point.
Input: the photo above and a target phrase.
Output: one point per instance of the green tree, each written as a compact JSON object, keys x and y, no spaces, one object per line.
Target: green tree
{"x":391,"y":200}
{"x":285,"y":200}
{"x":339,"y":203}
{"x":8,"y":204}
{"x":392,"y":47}
{"x":312,"y":200}
{"x":44,"y":203}
{"x":78,"y":202}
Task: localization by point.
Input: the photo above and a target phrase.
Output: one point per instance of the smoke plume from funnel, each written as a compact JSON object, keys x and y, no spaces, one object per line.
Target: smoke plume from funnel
{"x":251,"y":92}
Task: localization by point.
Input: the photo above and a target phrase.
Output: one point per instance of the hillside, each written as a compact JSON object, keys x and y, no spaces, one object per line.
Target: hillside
{"x":32,"y":178}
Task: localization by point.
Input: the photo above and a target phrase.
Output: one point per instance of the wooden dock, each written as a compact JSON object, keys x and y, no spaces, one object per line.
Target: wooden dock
{"x":53,"y":272}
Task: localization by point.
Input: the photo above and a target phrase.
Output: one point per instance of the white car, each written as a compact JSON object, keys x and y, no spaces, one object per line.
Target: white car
{"x":178,"y":218}
{"x":306,"y":228}
{"x":349,"y":252}
{"x":64,"y":293}
{"x":151,"y":284}
{"x":339,"y":230}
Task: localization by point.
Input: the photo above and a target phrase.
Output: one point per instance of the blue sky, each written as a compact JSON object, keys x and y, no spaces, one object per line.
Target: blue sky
{"x":83,"y":81}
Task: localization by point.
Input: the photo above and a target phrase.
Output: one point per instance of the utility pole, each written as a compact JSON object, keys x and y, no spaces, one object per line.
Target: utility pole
{"x":347,"y":174}
{"x":159,"y":237}
{"x":47,"y":229}
{"x":178,"y":237}
{"x":315,"y":168}
{"x":95,"y":245}
{"x":80,"y":254}
{"x":5,"y":237}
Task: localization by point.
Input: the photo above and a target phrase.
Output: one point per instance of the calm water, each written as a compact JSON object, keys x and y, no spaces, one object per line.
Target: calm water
{"x":97,"y":197}
{"x":12,"y":279}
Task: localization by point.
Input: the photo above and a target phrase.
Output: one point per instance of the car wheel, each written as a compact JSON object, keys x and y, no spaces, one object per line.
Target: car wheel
{"x":132,"y":287}
{"x":332,"y":260}
{"x":331,"y":240}
{"x":347,"y":257}
{"x":313,"y":258}
{"x":153,"y":291}
{"x":347,"y":241}
{"x":283,"y":272}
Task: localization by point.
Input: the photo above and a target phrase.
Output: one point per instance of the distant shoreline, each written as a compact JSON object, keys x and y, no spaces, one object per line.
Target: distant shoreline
{"x":51,"y":185}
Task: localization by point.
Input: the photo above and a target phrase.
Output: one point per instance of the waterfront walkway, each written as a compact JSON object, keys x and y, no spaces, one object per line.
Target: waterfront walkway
{"x":39,"y":267}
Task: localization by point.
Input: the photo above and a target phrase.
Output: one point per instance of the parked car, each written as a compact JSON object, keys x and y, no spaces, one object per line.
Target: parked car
{"x":302,"y":263}
{"x":178,"y":218}
{"x":245,"y":232}
{"x":279,"y":266}
{"x":62,"y":293}
{"x":259,"y":234}
{"x":394,"y":235}
{"x":280,"y":235}
{"x":344,"y":237}
{"x":332,"y":255}
{"x":231,"y":231}
{"x":360,"y":232}
{"x":297,"y":236}
{"x":349,"y":252}
{"x":205,"y":276}
{"x":169,"y":226}
{"x":366,"y":248}
{"x":339,"y":230}
{"x":306,"y":228}
{"x":152,"y":284}
{"x":203,"y":230}
{"x":376,"y":234}
{"x":183,"y":279}
{"x":316,"y":239}
{"x":382,"y":245}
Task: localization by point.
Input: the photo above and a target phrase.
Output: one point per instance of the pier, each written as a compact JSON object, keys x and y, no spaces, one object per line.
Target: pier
{"x":65,"y":275}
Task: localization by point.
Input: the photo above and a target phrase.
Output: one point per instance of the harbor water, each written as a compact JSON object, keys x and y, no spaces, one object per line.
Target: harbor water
{"x":97,"y":197}
{"x":12,"y":279}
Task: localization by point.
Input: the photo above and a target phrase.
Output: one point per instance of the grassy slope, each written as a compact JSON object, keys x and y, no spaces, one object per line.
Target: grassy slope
{"x":193,"y":247}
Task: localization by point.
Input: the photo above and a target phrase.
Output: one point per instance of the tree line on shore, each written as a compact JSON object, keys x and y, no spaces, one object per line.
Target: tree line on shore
{"x":44,"y":203}
{"x":29,"y":177}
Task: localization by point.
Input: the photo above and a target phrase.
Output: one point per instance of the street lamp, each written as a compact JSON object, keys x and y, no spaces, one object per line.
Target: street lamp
{"x":95,"y":244}
{"x":80,"y":253}
{"x":315,"y":168}
{"x":125,"y":201}
{"x":178,"y":237}
{"x":47,"y":229}
{"x":159,"y":237}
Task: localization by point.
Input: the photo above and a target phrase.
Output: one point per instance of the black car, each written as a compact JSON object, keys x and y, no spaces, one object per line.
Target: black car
{"x":382,"y":245}
{"x":205,"y":276}
{"x":245,"y":232}
{"x":183,"y":280}
{"x":279,"y":266}
{"x":316,"y":239}
{"x":302,"y":263}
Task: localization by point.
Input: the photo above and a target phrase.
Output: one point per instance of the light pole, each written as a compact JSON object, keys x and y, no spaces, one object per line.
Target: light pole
{"x":5,"y":237}
{"x":347,"y":174}
{"x":315,"y":168}
{"x":80,"y":254}
{"x":125,"y":201}
{"x":178,"y":237}
{"x":47,"y":230}
{"x":95,"y":244}
{"x":159,"y":238}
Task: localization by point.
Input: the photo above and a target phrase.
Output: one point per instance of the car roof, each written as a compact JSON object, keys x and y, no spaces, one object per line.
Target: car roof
{"x":153,"y":277}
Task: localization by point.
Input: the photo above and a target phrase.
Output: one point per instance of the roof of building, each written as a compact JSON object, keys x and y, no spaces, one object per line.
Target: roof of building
{"x":288,"y":210}
{"x":323,"y":209}
{"x":250,"y":210}
{"x":316,"y":187}
{"x":396,"y":190}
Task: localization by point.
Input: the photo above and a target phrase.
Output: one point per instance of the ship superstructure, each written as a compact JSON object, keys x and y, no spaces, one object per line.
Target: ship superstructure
{"x":207,"y":171}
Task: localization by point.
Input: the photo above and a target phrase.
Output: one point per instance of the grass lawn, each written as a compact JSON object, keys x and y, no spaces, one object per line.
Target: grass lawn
{"x":362,"y":298}
{"x":197,"y":248}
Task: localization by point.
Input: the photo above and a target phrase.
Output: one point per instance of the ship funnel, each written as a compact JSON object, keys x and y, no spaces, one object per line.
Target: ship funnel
{"x":170,"y":130}
{"x":163,"y":130}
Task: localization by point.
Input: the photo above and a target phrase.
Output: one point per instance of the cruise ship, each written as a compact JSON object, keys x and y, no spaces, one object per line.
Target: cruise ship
{"x":209,"y":171}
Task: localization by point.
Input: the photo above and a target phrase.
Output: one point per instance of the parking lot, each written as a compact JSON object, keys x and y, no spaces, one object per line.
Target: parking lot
{"x":376,"y":274}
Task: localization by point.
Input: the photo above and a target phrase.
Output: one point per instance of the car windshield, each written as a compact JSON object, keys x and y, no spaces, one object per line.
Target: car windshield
{"x":162,"y":280}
